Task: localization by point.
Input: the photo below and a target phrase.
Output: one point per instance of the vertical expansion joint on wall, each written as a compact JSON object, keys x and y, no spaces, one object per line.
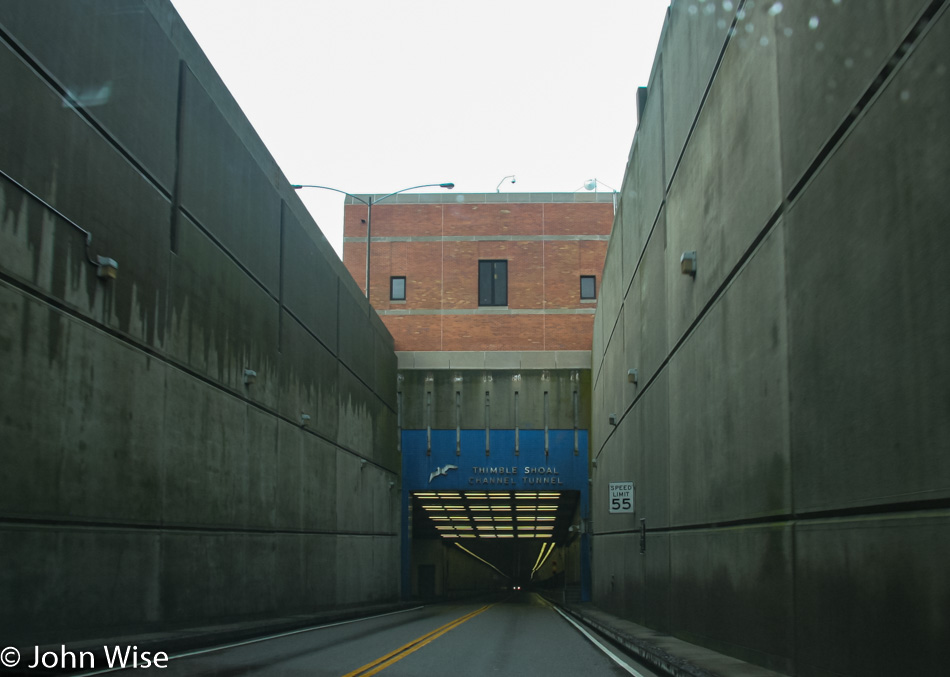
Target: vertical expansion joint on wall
{"x":280,"y":281}
{"x":487,"y":423}
{"x":399,"y":420}
{"x":517,"y":432}
{"x":576,"y":400}
{"x":457,"y":380}
{"x":428,"y":423}
{"x":458,"y":423}
{"x":546,"y":437}
{"x":179,"y":152}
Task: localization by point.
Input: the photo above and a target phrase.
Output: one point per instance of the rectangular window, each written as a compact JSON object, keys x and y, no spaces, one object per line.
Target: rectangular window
{"x":397,"y":289}
{"x":588,"y":287}
{"x":493,"y":283}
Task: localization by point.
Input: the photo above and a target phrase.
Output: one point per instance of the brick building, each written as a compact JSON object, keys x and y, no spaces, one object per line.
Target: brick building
{"x":483,"y":272}
{"x":490,"y":299}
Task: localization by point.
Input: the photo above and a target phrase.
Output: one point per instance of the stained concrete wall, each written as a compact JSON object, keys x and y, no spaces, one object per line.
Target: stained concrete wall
{"x":526,"y":399}
{"x":788,"y":433}
{"x":145,"y":485}
{"x":457,"y":573}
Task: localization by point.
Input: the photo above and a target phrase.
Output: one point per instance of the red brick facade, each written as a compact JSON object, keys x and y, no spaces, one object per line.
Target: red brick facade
{"x":436,"y":247}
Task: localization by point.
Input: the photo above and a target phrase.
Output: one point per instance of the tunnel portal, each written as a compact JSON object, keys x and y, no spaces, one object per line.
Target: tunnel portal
{"x":514,"y":516}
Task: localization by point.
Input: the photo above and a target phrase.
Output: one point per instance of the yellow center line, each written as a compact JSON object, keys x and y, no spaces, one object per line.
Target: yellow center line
{"x":393,"y":656}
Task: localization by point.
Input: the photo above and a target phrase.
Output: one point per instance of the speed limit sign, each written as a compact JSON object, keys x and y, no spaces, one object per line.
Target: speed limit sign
{"x":621,"y":496}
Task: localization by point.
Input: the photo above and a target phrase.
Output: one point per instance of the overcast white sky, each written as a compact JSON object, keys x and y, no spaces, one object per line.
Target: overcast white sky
{"x":372,"y":96}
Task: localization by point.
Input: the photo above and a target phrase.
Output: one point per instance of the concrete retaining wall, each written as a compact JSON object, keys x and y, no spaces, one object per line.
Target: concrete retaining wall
{"x":145,"y":485}
{"x":788,"y":432}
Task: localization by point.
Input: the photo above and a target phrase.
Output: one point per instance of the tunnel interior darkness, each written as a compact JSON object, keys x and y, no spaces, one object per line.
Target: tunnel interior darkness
{"x":510,"y":531}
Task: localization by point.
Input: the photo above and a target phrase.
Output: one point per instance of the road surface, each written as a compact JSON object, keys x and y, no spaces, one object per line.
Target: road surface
{"x":522,"y":635}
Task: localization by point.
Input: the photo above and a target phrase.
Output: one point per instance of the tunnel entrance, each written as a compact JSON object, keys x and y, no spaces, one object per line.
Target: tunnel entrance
{"x":496,"y":508}
{"x":472,"y":541}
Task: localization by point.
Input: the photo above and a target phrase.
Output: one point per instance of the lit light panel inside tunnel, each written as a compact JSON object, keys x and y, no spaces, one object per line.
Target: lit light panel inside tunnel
{"x":458,"y":515}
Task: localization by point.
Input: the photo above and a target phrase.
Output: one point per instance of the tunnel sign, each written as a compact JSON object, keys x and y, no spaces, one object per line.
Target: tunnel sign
{"x":621,"y":496}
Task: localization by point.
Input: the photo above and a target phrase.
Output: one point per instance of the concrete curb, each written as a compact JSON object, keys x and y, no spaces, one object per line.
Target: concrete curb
{"x":649,"y":653}
{"x":675,"y":656}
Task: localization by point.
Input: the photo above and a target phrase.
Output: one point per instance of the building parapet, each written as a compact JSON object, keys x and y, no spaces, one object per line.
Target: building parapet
{"x":482,"y":198}
{"x":527,"y":359}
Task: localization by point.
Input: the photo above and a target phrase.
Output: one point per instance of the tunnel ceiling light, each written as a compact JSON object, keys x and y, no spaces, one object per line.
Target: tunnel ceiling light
{"x":449,"y":495}
{"x":505,"y":536}
{"x":503,"y":497}
{"x":527,"y":495}
{"x":425,"y":494}
{"x":467,"y":536}
{"x":482,"y":519}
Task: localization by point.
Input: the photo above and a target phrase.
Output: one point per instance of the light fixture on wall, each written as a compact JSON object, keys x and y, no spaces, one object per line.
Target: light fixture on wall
{"x":249,"y":376}
{"x":612,"y":419}
{"x":304,"y":420}
{"x":362,"y":463}
{"x":688,"y":264}
{"x":107,"y":268}
{"x":633,"y":376}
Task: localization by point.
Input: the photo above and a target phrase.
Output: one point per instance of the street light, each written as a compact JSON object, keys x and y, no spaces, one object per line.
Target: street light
{"x":369,"y":209}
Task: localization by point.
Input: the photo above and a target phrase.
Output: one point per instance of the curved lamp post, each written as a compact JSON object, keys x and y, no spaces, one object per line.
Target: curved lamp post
{"x":369,"y":209}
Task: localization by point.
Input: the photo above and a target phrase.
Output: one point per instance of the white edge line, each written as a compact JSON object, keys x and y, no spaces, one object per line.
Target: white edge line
{"x":616,"y":659}
{"x":259,"y":639}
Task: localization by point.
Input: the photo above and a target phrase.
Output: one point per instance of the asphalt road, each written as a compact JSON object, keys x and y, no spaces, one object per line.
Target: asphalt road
{"x":522,"y":635}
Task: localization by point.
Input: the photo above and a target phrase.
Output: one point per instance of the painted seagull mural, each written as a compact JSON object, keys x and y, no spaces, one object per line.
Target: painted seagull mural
{"x":442,"y":471}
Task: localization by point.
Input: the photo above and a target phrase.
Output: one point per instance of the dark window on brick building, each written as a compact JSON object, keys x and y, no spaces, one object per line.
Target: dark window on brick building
{"x":588,"y":287}
{"x":493,"y":283}
{"x":397,"y":288}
